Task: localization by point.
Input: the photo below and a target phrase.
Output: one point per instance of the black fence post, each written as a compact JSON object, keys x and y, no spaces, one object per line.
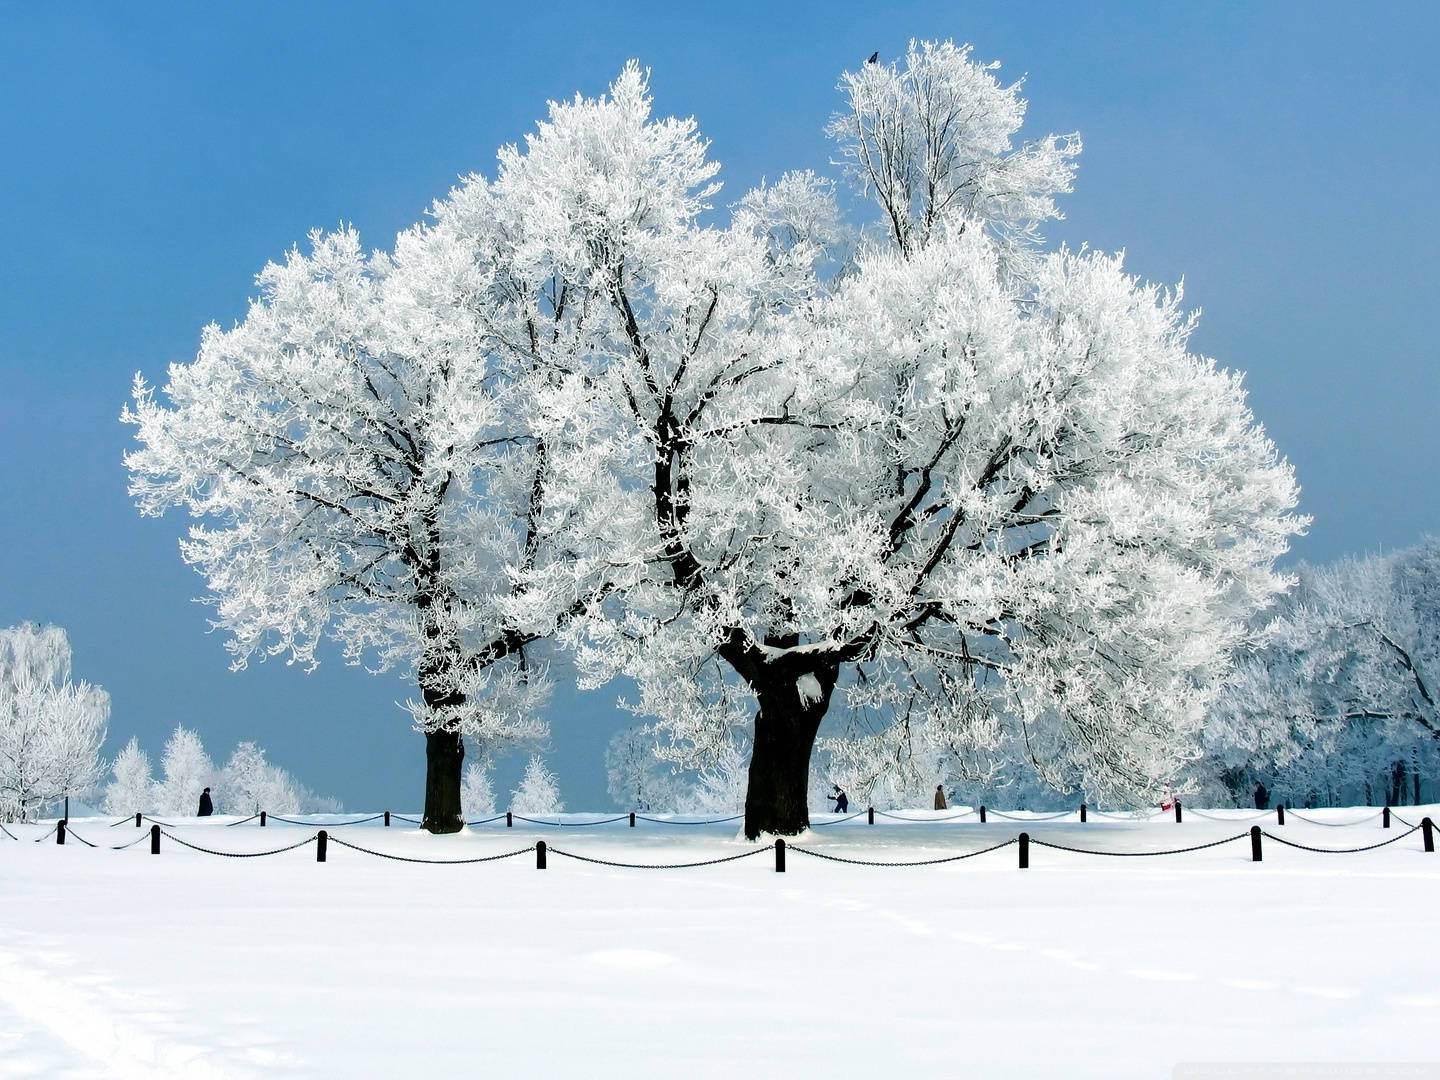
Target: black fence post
{"x":1280,"y":814}
{"x":982,"y":813}
{"x":137,"y":819}
{"x":322,"y":841}
{"x":780,"y":855}
{"x":387,"y":819}
{"x":60,"y":831}
{"x":1427,"y":830}
{"x":539,"y":854}
{"x":632,"y":819}
{"x":509,"y":820}
{"x":870,"y":811}
{"x":1385,"y":818}
{"x":1177,"y":811}
{"x":1082,"y":813}
{"x":262,"y":819}
{"x":1254,"y":843}
{"x":154,"y":839}
{"x":1024,"y":851}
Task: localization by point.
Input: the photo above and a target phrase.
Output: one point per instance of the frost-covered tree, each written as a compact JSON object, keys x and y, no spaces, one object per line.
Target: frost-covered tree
{"x":1340,"y":703}
{"x":249,"y":783}
{"x":133,"y":788}
{"x":51,"y":729}
{"x":477,"y":793}
{"x":947,"y":490}
{"x":367,"y":464}
{"x":185,"y":771}
{"x":539,"y":790}
{"x":634,"y":776}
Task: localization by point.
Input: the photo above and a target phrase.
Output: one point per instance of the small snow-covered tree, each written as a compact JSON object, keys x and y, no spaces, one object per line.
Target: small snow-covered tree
{"x":51,"y":729}
{"x":539,"y":790}
{"x":133,"y":788}
{"x":477,"y":794}
{"x":635,"y":777}
{"x":185,"y":771}
{"x":249,"y":783}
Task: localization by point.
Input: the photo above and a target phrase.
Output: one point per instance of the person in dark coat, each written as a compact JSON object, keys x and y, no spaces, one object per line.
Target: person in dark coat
{"x":842,"y":801}
{"x":940,"y":803}
{"x":206,"y":806}
{"x":1262,"y":797}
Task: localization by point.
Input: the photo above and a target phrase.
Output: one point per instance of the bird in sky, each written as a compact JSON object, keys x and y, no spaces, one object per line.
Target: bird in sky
{"x":874,"y":57}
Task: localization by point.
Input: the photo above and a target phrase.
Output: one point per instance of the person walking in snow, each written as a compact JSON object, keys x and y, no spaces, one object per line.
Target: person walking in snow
{"x":206,"y":806}
{"x":1262,"y":797}
{"x":940,"y":803}
{"x":842,"y":801}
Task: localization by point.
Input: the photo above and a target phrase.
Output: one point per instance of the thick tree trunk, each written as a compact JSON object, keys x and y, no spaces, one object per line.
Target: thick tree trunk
{"x":785,"y":729}
{"x":444,"y":755}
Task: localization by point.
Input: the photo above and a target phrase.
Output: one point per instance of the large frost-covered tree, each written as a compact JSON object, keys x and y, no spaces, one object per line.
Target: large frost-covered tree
{"x":958,"y":485}
{"x":51,"y":729}
{"x":364,"y":466}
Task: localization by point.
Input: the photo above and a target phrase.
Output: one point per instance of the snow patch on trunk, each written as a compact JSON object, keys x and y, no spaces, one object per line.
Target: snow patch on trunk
{"x":808,"y":688}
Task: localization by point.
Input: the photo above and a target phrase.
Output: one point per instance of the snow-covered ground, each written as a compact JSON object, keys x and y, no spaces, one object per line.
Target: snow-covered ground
{"x":120,"y":963}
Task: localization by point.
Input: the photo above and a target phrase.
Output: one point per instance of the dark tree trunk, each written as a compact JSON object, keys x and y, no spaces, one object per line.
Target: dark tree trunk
{"x":444,"y":755}
{"x":785,"y":729}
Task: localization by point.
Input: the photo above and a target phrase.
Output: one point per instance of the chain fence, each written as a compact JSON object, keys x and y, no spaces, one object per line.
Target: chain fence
{"x":1340,"y":851}
{"x":429,"y":862}
{"x":1171,"y":851}
{"x":661,"y":866}
{"x":916,"y":862}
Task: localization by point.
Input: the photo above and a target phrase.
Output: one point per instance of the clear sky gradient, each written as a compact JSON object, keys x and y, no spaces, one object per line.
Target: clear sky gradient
{"x":1282,"y":158}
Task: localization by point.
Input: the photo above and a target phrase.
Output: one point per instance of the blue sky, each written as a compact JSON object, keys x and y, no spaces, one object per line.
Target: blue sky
{"x":1281,"y":158}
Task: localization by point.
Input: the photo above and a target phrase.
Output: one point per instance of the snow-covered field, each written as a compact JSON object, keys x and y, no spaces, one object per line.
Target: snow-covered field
{"x":120,"y":963}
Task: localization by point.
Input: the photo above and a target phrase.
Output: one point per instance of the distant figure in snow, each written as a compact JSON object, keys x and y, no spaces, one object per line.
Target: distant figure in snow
{"x":842,"y":801}
{"x":874,"y":57}
{"x":940,"y":803}
{"x":1262,"y":797}
{"x":206,"y":806}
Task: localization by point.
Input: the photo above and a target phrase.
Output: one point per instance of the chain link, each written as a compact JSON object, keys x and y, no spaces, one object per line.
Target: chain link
{"x":49,"y":834}
{"x":662,"y":866}
{"x":71,"y":834}
{"x":1250,"y":817}
{"x":1335,"y":824}
{"x":712,"y":821}
{"x":7,"y":832}
{"x":430,"y":862}
{"x":572,"y":824}
{"x":1042,"y":817}
{"x":1339,"y":851}
{"x":918,"y":862}
{"x":924,"y":821}
{"x":242,"y":821}
{"x":238,"y":854}
{"x":321,"y":824}
{"x":837,"y":821}
{"x":1174,"y":851}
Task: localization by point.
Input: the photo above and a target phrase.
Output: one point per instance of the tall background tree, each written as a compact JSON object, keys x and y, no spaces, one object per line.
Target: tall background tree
{"x":51,"y":729}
